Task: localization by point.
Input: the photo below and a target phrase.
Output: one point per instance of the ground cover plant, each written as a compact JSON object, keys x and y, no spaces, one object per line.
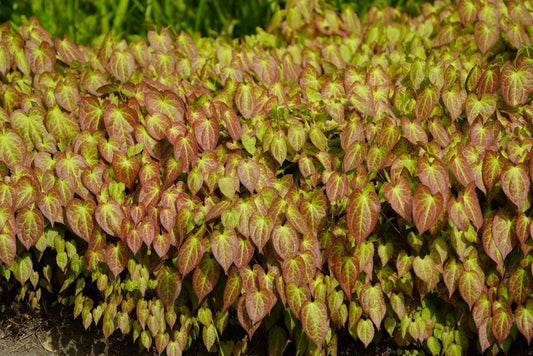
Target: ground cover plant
{"x":324,"y":175}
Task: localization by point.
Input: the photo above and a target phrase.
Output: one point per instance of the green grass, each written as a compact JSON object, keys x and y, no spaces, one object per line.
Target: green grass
{"x":88,"y":21}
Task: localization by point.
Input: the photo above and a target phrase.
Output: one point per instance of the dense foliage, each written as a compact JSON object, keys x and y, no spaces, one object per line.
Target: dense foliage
{"x":325,"y":174}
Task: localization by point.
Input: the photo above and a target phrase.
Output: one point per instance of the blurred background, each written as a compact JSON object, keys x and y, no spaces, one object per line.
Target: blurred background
{"x":87,"y":21}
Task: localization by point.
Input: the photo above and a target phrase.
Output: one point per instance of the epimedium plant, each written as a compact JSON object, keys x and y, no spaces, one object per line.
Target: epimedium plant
{"x":326,"y":174}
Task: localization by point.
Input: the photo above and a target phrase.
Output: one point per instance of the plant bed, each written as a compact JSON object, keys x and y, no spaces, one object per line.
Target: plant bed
{"x":327,"y":176}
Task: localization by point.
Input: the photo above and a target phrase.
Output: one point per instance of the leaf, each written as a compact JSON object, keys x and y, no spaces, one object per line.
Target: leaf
{"x":260,"y":230}
{"x":362,"y":213}
{"x":516,"y":83}
{"x":30,"y":226}
{"x":400,"y":197}
{"x":168,"y":285}
{"x":524,"y":321}
{"x":224,"y":248}
{"x":365,"y":331}
{"x":12,"y":147}
{"x":470,"y":287}
{"x":80,"y":216}
{"x":425,"y":268}
{"x":520,"y":285}
{"x":190,"y":254}
{"x":285,"y":240}
{"x":486,"y":35}
{"x":471,"y":206}
{"x":29,"y":126}
{"x":451,"y":274}
{"x":414,"y":132}
{"x":258,"y":304}
{"x":434,"y":175}
{"x":315,"y":321}
{"x":122,"y":65}
{"x":119,"y":123}
{"x":248,"y":173}
{"x":453,"y":98}
{"x":502,"y":229}
{"x":502,"y":320}
{"x":125,"y":168}
{"x":205,"y":277}
{"x":373,"y":303}
{"x":8,"y":247}
{"x":206,"y":131}
{"x":278,"y":147}
{"x":117,"y":257}
{"x":426,"y":101}
{"x":109,"y":216}
{"x":347,"y":270}
{"x":426,"y":207}
{"x":245,"y":100}
{"x":232,"y":289}
{"x":63,"y":127}
{"x":296,"y":297}
{"x":515,"y":183}
{"x":247,"y":324}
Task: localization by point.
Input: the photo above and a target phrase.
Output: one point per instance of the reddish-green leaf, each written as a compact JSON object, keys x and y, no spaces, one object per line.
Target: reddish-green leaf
{"x":515,"y":183}
{"x":502,"y":230}
{"x":126,"y":168}
{"x":486,"y":35}
{"x":122,"y":65}
{"x":502,"y":320}
{"x":347,"y":271}
{"x":516,"y":83}
{"x":232,"y":289}
{"x":453,"y":98}
{"x":400,"y":197}
{"x":524,"y":320}
{"x":285,"y":240}
{"x":30,"y":226}
{"x":296,"y":297}
{"x":168,"y":285}
{"x":224,"y":248}
{"x":470,"y":287}
{"x":205,"y":277}
{"x":426,"y":207}
{"x":80,"y":216}
{"x":471,"y":206}
{"x":315,"y":321}
{"x":109,"y":216}
{"x":373,"y":303}
{"x":117,"y":257}
{"x":426,"y":101}
{"x":362,"y":213}
{"x":12,"y":147}
{"x":8,"y":247}
{"x":248,"y":172}
{"x":190,"y":254}
{"x":258,"y":304}
{"x":520,"y":285}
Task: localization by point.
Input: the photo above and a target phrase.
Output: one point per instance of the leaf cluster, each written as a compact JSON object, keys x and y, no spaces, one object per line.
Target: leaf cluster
{"x":325,"y":174}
